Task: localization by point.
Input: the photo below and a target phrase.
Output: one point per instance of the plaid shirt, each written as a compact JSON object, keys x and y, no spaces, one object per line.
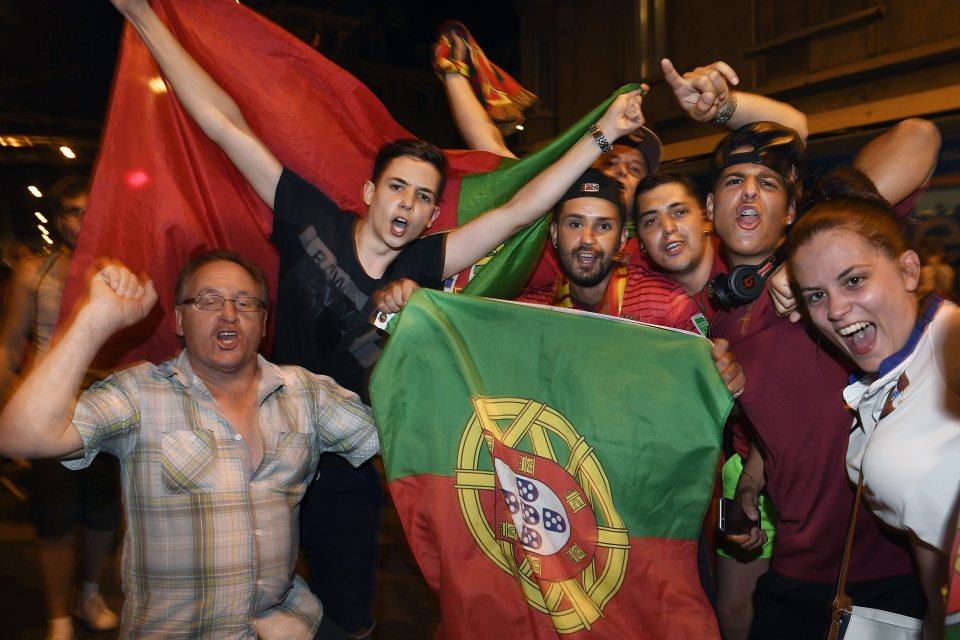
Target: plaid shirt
{"x":211,"y":544}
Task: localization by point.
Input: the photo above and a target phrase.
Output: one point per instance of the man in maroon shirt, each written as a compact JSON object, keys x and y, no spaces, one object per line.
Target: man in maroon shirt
{"x":800,"y":425}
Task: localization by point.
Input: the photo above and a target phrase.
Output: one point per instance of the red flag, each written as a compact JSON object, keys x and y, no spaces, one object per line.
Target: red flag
{"x":162,"y":191}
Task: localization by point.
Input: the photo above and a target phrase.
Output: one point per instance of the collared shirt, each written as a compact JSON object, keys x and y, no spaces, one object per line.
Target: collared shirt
{"x":211,"y":544}
{"x":906,"y":434}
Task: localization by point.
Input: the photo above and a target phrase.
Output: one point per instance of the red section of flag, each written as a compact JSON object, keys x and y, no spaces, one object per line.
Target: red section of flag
{"x":163,"y":192}
{"x":660,"y":596}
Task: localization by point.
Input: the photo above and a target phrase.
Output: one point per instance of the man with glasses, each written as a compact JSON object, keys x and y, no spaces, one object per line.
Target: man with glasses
{"x":216,"y":448}
{"x":61,"y":501}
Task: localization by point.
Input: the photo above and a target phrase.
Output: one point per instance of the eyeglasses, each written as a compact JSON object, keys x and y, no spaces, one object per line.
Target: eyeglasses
{"x":75,"y":212}
{"x":215,"y":302}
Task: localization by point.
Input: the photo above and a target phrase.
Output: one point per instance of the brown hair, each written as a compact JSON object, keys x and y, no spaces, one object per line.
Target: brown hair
{"x":221,"y":255}
{"x":847,"y":200}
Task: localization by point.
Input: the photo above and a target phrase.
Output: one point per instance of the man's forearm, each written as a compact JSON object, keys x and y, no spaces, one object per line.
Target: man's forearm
{"x":754,"y":108}
{"x":212,"y":108}
{"x":474,"y":240}
{"x":37,"y":420}
{"x":200,"y":95}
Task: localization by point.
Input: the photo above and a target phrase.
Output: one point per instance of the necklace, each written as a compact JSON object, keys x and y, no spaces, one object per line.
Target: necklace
{"x":745,"y":320}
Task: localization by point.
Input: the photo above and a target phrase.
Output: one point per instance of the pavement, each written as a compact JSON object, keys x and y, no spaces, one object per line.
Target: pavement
{"x":406,"y":608}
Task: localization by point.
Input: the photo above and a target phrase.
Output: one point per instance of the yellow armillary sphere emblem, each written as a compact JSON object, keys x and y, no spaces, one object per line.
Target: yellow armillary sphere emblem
{"x":535,"y":498}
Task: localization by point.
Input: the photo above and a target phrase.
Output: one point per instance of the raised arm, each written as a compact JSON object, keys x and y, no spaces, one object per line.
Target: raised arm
{"x":467,"y":244}
{"x":476,"y":127}
{"x":901,"y":160}
{"x":212,"y":109}
{"x":705,"y":93}
{"x":37,"y":421}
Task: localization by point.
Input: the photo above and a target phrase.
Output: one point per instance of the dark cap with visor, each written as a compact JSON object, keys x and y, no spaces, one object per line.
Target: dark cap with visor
{"x":594,"y":184}
{"x":773,"y":145}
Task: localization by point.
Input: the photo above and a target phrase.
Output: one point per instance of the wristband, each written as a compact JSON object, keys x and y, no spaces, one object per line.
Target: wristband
{"x":727,"y":109}
{"x":600,"y":139}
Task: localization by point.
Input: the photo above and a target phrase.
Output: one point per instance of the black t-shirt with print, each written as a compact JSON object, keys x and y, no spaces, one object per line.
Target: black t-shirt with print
{"x":323,"y":305}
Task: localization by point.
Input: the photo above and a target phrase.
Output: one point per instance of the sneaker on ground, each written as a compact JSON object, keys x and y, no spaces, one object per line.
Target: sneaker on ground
{"x":95,"y":614}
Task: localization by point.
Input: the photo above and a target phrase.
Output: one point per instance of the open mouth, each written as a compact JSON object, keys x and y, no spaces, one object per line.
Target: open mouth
{"x":859,"y":337}
{"x":227,"y":339}
{"x":672,"y":248}
{"x":748,"y":218}
{"x":398,"y":227}
{"x":586,"y":258}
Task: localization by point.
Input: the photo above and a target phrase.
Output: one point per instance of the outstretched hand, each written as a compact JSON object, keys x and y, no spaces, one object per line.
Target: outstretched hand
{"x":117,"y":298}
{"x":624,"y":115}
{"x":704,"y":90}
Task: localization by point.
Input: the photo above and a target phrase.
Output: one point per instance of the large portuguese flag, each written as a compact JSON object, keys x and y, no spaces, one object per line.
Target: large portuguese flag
{"x":551,"y":469}
{"x":162,"y":191}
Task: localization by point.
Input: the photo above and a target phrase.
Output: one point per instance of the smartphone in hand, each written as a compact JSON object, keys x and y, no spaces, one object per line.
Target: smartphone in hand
{"x":733,"y":519}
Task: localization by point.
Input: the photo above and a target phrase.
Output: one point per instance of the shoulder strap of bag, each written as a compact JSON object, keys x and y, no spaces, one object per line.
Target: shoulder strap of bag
{"x":842,"y":602}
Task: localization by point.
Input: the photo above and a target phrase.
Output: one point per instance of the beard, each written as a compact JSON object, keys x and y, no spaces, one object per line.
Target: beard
{"x":585,"y":277}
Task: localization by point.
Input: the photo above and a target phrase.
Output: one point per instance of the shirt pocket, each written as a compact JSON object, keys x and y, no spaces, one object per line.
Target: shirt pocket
{"x":294,"y":464}
{"x":188,"y":462}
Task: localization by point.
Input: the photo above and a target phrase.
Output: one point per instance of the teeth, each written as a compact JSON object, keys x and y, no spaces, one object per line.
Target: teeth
{"x":748,"y":212}
{"x":853,"y":328}
{"x":672,"y":246}
{"x":227,"y":334}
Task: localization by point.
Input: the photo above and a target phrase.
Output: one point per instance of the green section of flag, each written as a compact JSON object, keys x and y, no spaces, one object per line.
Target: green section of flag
{"x":649,"y":401}
{"x":513,"y":263}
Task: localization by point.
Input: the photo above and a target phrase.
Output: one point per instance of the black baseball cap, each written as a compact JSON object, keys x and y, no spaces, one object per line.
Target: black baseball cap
{"x":594,"y":184}
{"x":773,"y":145}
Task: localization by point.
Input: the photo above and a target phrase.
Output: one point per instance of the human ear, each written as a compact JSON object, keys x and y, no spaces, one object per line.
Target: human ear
{"x":178,"y":315}
{"x":433,"y":217}
{"x":708,"y":210}
{"x":368,"y":189}
{"x":791,"y":212}
{"x":910,"y":269}
{"x":553,"y":234}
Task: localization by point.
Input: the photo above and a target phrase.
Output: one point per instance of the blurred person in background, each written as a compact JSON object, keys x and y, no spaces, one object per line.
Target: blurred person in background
{"x":62,"y":500}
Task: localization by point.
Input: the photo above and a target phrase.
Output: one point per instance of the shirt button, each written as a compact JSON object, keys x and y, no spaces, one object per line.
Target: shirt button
{"x":258,"y":532}
{"x":193,"y":437}
{"x":238,"y":437}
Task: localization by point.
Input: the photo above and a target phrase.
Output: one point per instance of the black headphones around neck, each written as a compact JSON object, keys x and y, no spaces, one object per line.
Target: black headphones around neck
{"x":744,"y":284}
